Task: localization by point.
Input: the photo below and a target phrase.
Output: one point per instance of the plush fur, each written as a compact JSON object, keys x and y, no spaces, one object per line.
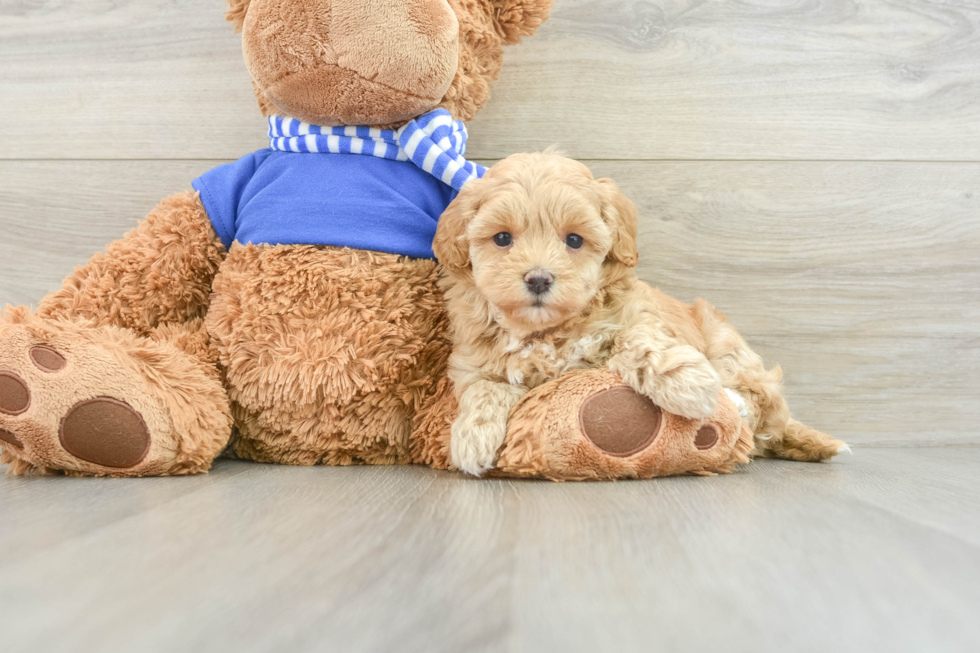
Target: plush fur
{"x":328,"y":352}
{"x":383,"y":61}
{"x":297,"y":71}
{"x":316,"y":354}
{"x":561,"y":224}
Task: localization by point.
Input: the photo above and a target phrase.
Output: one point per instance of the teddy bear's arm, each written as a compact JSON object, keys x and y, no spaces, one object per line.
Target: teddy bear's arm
{"x":160,"y":272}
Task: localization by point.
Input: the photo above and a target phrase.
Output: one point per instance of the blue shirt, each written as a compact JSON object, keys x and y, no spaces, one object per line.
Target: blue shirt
{"x":345,"y":200}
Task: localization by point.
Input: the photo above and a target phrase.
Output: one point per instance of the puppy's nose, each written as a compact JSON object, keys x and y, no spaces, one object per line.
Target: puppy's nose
{"x":538,"y":280}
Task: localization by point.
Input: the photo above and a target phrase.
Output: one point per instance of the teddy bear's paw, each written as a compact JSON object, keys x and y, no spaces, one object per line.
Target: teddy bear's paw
{"x":71,"y":403}
{"x":590,"y":424}
{"x":621,"y":422}
{"x":104,"y":431}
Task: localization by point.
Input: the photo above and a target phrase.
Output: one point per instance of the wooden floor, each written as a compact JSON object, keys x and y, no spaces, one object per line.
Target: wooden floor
{"x":878,"y":552}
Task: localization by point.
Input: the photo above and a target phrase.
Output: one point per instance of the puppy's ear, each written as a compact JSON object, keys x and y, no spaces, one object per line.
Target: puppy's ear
{"x":620,"y":214}
{"x":517,"y":18}
{"x":451,"y":245}
{"x":236,"y":13}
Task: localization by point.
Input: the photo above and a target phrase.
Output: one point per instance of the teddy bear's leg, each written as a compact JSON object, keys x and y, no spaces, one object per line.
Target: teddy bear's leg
{"x":104,"y":401}
{"x":114,"y":374}
{"x":590,"y":425}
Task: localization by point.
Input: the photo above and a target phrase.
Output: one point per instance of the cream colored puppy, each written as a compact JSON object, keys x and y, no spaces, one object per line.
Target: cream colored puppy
{"x":539,"y":279}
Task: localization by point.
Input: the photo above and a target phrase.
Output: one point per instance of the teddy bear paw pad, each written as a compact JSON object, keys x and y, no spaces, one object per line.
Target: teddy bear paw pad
{"x":15,"y":396}
{"x":47,"y":359}
{"x":106,"y":432}
{"x":10,"y":438}
{"x":707,"y":437}
{"x":619,"y":421}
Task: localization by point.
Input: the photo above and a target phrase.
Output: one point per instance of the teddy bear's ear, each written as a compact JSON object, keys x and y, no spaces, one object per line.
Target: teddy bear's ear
{"x":517,"y":18}
{"x":236,"y":13}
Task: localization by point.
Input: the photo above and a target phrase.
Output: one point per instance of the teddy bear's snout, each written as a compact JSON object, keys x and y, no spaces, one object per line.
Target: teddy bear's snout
{"x":352,"y":62}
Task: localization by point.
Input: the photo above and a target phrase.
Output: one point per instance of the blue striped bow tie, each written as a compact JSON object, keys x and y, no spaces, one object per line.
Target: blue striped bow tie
{"x":434,"y":142}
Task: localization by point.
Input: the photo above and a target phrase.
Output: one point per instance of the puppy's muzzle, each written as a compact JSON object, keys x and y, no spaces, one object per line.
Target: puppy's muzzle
{"x":538,"y":280}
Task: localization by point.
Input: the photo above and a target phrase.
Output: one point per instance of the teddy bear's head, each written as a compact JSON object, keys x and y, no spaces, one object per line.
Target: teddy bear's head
{"x":378,"y":62}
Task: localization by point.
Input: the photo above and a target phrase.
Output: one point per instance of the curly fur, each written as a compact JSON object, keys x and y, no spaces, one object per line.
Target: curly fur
{"x":596,"y":313}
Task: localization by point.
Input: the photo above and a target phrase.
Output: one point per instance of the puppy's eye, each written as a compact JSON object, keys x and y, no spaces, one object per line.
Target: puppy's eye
{"x":503,"y":239}
{"x":574,"y":241}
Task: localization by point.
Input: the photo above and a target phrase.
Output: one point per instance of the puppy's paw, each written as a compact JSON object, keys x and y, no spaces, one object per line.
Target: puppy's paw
{"x":691,"y":401}
{"x":680,"y":380}
{"x":474,"y":443}
{"x":686,"y":384}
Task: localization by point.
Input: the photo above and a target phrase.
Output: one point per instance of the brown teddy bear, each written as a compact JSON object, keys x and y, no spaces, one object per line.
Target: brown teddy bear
{"x":287,"y":310}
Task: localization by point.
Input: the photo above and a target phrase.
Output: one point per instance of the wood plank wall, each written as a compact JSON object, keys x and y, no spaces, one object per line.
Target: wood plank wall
{"x":811,"y":167}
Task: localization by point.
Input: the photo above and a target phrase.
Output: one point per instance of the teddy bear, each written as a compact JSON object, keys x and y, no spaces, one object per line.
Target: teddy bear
{"x":286,"y":309}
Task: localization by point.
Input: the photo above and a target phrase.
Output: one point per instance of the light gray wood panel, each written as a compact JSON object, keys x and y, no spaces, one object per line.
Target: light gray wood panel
{"x":606,"y":79}
{"x":267,"y":558}
{"x":129,"y":79}
{"x":781,"y":556}
{"x":39,"y":514}
{"x":860,"y":279}
{"x":759,"y":562}
{"x":935,"y":487}
{"x":780,"y":79}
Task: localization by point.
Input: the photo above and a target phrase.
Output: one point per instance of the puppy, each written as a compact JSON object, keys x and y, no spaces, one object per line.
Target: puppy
{"x":539,"y":279}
